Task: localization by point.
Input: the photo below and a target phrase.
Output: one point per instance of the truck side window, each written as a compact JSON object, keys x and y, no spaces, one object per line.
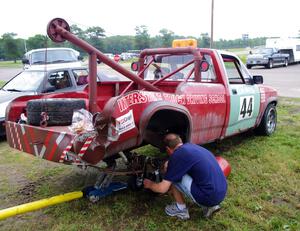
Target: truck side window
{"x":209,"y":75}
{"x":235,"y":72}
{"x":60,"y":79}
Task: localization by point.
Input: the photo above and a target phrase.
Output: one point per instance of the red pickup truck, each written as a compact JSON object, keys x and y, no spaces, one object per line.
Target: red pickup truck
{"x":202,"y":94}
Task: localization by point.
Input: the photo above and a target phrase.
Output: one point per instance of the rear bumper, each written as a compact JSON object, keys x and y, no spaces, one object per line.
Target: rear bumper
{"x":49,"y":143}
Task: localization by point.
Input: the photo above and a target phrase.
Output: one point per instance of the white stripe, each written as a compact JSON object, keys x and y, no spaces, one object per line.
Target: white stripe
{"x":35,"y":150}
{"x":42,"y":153}
{"x":22,"y":129}
{"x":11,"y":135}
{"x":60,"y":138}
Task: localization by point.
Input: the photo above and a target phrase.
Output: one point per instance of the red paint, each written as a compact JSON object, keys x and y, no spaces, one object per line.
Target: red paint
{"x":225,"y":166}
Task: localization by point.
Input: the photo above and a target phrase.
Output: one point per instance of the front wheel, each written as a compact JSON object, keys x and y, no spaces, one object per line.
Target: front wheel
{"x":270,"y":64}
{"x":249,"y":66}
{"x":268,"y":123}
{"x":286,"y":62}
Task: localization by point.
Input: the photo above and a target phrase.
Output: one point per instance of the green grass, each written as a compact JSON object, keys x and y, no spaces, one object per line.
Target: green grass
{"x":264,"y":188}
{"x":2,"y":83}
{"x":10,"y":64}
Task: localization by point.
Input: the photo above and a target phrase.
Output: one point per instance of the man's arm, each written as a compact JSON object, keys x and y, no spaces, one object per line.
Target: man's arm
{"x":161,"y":187}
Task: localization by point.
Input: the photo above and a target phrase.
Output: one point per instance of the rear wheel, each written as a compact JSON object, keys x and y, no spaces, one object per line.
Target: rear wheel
{"x":268,"y":123}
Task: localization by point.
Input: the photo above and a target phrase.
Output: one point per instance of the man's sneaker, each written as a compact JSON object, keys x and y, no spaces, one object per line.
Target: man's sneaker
{"x":209,"y":211}
{"x":172,"y":210}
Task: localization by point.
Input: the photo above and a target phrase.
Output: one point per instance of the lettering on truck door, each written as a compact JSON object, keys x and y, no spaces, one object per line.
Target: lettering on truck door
{"x":244,"y":97}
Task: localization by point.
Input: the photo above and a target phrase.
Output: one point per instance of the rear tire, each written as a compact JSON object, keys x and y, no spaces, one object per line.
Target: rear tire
{"x":59,"y":111}
{"x":268,"y":122}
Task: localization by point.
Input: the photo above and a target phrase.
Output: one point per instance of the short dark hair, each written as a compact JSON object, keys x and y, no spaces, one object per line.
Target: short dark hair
{"x":171,"y":140}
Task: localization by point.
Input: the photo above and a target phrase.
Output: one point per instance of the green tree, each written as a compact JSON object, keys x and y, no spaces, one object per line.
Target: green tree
{"x":204,"y":40}
{"x":167,"y":37}
{"x":95,"y":36}
{"x":37,"y":41}
{"x":142,"y":37}
{"x":10,"y":46}
{"x":78,"y":31}
{"x":118,"y":44}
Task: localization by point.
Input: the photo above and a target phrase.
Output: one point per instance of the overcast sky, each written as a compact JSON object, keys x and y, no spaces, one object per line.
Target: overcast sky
{"x":184,"y":17}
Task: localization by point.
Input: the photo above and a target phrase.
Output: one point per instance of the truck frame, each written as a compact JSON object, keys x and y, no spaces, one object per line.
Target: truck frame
{"x":204,"y":95}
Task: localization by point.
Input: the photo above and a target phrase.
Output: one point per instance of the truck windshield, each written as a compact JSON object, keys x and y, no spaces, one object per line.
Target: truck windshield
{"x":25,"y":81}
{"x":163,"y":65}
{"x":264,"y":51}
{"x":53,"y":56}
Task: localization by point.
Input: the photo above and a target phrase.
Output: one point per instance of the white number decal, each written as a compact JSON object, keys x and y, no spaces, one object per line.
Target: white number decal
{"x":246,"y":107}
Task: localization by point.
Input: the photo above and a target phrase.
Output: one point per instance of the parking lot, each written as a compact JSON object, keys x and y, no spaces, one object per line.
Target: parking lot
{"x":285,"y":79}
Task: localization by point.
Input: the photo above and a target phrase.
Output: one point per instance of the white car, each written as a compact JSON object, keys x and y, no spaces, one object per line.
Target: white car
{"x":53,"y":57}
{"x":34,"y":82}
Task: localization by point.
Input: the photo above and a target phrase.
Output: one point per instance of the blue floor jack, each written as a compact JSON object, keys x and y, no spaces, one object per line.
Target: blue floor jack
{"x":103,"y":187}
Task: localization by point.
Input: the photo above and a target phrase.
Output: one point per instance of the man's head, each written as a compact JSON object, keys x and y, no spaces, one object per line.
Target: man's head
{"x":172,"y":141}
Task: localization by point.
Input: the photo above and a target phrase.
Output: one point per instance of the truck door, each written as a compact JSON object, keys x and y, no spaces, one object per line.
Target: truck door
{"x":244,"y":97}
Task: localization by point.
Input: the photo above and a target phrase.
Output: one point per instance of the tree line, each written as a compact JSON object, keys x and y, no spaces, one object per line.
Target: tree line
{"x":12,"y":48}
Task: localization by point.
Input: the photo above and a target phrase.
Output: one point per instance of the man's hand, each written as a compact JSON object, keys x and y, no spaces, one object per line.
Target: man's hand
{"x":161,"y":187}
{"x":148,"y":183}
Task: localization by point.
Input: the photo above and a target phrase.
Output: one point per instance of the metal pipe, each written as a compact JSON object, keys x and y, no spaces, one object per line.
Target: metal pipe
{"x":212,"y":25}
{"x":29,"y":207}
{"x":93,"y":83}
{"x":90,"y":49}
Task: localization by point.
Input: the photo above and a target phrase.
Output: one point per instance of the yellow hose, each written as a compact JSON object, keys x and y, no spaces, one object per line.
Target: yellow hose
{"x":28,"y":207}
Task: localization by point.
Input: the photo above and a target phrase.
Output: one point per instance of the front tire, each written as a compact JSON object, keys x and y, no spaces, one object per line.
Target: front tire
{"x":268,"y":123}
{"x":249,"y":66}
{"x":286,"y":62}
{"x":270,"y":64}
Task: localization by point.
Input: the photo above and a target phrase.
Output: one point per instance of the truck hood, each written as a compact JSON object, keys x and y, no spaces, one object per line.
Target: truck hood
{"x":256,"y":56}
{"x":7,"y":96}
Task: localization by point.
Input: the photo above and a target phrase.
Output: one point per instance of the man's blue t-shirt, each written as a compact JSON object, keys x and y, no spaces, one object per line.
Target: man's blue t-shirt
{"x":209,"y":183}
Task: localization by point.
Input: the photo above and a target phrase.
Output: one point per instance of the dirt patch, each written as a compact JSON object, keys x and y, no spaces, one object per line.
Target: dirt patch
{"x":27,"y":192}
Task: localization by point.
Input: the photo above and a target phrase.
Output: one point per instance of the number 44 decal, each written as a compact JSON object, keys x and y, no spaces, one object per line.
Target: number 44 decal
{"x":246,"y":107}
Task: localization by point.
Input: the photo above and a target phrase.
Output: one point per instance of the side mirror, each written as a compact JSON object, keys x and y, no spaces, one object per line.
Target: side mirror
{"x":258,"y":79}
{"x":135,"y":66}
{"x":25,"y":61}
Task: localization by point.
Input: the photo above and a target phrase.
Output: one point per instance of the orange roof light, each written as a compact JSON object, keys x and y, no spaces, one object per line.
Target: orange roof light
{"x":184,"y":43}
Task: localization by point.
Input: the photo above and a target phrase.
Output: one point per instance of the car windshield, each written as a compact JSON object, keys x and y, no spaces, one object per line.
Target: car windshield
{"x":53,"y":56}
{"x":264,"y":51}
{"x":25,"y":81}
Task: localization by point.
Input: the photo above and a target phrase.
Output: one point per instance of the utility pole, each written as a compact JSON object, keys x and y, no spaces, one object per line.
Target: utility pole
{"x":212,"y":25}
{"x":25,"y":47}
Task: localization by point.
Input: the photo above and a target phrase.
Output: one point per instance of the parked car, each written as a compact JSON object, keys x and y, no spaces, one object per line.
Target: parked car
{"x":267,"y":57}
{"x":56,"y":57}
{"x":41,"y":81}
